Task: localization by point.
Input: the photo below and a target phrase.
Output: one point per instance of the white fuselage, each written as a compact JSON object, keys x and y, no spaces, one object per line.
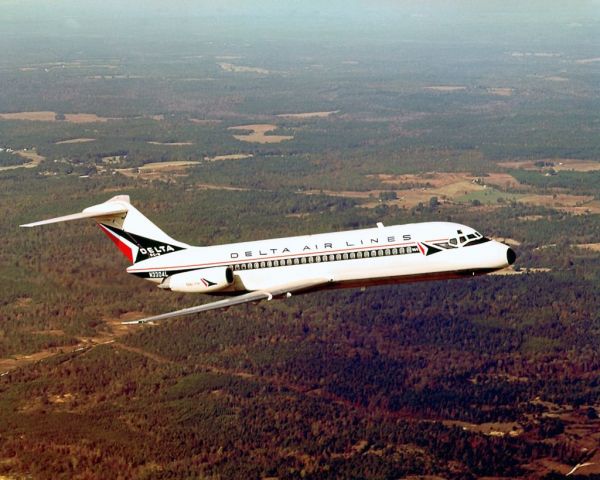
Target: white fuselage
{"x":399,"y":253}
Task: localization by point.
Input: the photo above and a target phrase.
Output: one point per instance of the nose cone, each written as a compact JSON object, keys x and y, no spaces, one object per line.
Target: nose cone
{"x":511,"y":256}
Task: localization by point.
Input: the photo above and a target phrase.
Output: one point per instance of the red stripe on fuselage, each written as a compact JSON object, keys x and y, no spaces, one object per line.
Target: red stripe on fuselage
{"x":125,"y":250}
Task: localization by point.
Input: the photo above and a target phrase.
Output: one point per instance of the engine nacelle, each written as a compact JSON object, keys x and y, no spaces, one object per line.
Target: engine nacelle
{"x":204,"y":280}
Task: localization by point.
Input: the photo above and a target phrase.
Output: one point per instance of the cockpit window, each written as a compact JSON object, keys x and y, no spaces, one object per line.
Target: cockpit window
{"x":471,"y":236}
{"x":462,"y":239}
{"x":453,"y":241}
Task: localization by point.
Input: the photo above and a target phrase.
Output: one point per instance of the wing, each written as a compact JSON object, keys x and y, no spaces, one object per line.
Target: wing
{"x":253,"y":296}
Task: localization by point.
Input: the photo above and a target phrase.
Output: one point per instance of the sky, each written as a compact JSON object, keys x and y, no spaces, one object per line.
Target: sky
{"x":409,"y":19}
{"x":348,"y":9}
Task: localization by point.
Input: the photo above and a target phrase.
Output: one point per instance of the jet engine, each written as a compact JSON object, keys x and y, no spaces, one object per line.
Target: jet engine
{"x":205,"y":280}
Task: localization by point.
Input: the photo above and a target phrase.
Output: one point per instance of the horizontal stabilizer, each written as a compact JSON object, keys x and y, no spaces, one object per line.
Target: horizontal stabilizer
{"x":111,"y":210}
{"x":116,"y":205}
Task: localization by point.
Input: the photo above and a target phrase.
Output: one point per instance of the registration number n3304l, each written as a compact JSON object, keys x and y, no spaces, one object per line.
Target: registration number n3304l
{"x":157,"y":274}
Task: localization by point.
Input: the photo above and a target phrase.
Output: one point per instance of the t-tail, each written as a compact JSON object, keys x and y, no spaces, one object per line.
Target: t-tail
{"x":134,"y":235}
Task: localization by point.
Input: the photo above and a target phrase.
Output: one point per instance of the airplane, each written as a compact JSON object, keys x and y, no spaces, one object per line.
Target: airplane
{"x":279,"y":267}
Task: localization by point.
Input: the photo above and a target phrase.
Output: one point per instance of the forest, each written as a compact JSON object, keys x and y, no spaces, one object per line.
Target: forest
{"x":495,"y":376}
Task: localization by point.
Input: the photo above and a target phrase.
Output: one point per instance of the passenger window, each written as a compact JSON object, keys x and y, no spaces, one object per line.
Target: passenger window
{"x":331,"y":258}
{"x":338,"y":256}
{"x":387,"y":251}
{"x":352,"y":255}
{"x":255,"y":264}
{"x":296,"y":261}
{"x":394,"y":251}
{"x":262,"y":264}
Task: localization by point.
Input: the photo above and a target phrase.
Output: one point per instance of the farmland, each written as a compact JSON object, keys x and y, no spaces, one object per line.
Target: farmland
{"x":225,"y":131}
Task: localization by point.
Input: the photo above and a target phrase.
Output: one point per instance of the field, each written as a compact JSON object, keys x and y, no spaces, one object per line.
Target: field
{"x":229,"y":125}
{"x":54,"y":117}
{"x":233,"y":156}
{"x":33,"y":159}
{"x":446,"y":88}
{"x":258,"y":134}
{"x":172,"y":144}
{"x":302,"y":116}
{"x":76,"y":140}
{"x":230,"y":67}
{"x":560,"y":164}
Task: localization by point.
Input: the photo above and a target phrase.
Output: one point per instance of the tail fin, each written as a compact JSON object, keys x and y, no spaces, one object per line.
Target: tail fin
{"x":135,"y":236}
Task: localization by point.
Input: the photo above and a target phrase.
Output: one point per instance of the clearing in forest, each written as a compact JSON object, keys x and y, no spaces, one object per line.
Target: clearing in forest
{"x":168,"y":166}
{"x":75,"y":140}
{"x":46,"y":116}
{"x":230,"y":67}
{"x":557,"y":164}
{"x":501,"y":91}
{"x":585,"y":61}
{"x":258,"y":134}
{"x":446,"y":88}
{"x":205,"y":121}
{"x":172,"y":144}
{"x":464,"y":188}
{"x":511,"y":271}
{"x":594,"y":247}
{"x":308,"y":114}
{"x":115,"y":330}
{"x":233,"y":156}
{"x":159,"y":171}
{"x":34,"y":157}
